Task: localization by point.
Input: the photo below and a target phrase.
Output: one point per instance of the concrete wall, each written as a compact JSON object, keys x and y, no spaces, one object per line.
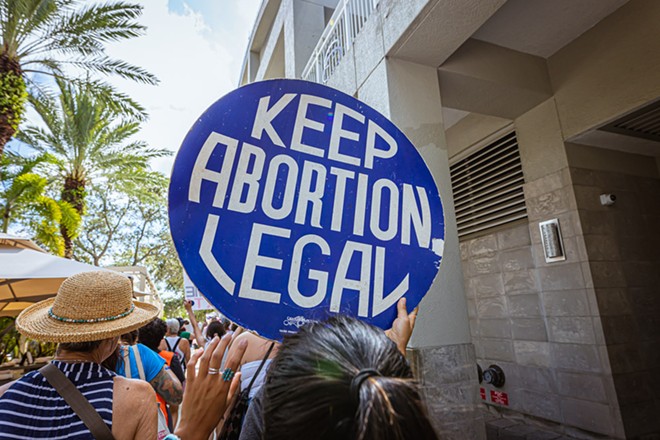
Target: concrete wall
{"x":578,"y":339}
{"x":540,"y":321}
{"x":611,"y":69}
{"x":623,"y":244}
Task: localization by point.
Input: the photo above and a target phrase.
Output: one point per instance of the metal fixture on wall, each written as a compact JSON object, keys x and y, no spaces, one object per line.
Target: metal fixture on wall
{"x":607,"y":199}
{"x":553,"y":245}
{"x":494,"y":375}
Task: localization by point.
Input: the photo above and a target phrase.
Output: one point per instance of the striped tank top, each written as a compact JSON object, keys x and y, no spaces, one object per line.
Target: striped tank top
{"x":32,"y":409}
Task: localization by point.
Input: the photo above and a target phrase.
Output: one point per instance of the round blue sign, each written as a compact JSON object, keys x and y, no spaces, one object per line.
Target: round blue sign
{"x":291,"y":201}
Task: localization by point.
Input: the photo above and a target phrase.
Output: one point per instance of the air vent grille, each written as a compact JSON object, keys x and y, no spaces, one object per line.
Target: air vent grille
{"x":644,"y":123}
{"x":488,"y":187}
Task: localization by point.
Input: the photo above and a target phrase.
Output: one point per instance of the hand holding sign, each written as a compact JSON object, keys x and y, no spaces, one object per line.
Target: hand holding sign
{"x":291,"y":201}
{"x":403,"y":326}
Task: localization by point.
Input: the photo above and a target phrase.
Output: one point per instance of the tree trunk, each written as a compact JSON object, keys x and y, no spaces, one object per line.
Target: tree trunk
{"x":12,"y":97}
{"x":5,"y":217}
{"x":74,"y":193}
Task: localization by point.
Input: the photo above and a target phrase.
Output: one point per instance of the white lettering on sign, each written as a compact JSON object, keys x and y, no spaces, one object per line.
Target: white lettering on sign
{"x":283,"y":188}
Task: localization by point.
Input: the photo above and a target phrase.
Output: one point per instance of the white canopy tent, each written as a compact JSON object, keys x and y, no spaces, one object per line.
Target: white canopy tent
{"x":28,"y":276}
{"x":20,"y":242}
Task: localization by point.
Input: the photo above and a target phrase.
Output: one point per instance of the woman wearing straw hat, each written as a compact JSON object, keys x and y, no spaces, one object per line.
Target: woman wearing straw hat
{"x":86,"y":318}
{"x":74,"y":397}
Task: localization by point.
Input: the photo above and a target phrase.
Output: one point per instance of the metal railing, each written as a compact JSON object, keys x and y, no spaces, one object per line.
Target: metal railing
{"x":337,"y":38}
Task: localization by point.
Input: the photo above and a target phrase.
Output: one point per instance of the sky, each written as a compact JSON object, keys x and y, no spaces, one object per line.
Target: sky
{"x":196,"y":49}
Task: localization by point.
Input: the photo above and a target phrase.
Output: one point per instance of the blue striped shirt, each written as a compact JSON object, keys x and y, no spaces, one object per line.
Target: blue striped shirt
{"x":32,"y":409}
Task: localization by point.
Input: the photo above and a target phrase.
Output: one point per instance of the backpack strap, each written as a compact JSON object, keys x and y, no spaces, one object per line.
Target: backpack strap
{"x":138,"y":361}
{"x":78,"y":403}
{"x":261,"y":365}
{"x":127,"y":361}
{"x":176,"y":344}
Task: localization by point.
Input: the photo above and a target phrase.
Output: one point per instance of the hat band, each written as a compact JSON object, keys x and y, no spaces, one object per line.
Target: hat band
{"x":90,"y":321}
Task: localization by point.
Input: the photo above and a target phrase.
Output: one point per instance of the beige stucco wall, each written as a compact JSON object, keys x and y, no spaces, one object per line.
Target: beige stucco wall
{"x":611,"y":69}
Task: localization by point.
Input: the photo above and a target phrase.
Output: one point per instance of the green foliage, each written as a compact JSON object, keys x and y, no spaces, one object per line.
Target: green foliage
{"x":91,"y":143}
{"x":13,"y":96}
{"x":64,"y":39}
{"x":13,"y":347}
{"x":24,"y":199}
{"x":127,"y":230}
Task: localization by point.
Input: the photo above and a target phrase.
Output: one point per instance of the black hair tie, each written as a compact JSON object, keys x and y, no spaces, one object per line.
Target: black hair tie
{"x":360,"y":377}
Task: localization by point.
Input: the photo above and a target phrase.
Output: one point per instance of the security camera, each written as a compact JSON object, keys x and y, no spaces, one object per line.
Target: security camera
{"x":607,"y":199}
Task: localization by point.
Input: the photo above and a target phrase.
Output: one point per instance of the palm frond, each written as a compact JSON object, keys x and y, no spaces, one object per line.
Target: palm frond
{"x":108,"y":66}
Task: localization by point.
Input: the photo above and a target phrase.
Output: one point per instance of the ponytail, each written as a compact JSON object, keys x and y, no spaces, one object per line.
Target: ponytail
{"x":342,"y":379}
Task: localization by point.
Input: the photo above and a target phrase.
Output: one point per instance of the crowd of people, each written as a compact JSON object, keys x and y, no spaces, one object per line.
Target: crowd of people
{"x":121,"y":372}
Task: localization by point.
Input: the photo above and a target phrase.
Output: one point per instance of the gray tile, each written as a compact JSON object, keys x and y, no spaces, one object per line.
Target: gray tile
{"x":577,"y":358}
{"x":592,"y":416}
{"x":577,"y":330}
{"x":515,"y":237}
{"x":522,"y":281}
{"x":561,"y":277}
{"x":495,"y":328}
{"x":565,"y":303}
{"x":525,"y":306}
{"x":532,"y":353}
{"x":498,"y":349}
{"x":529,"y":329}
{"x":583,"y":386}
{"x":516,"y":259}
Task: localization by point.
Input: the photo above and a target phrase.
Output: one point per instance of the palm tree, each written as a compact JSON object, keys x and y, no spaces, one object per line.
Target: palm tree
{"x":24,"y":199}
{"x":90,"y":140}
{"x":56,"y":38}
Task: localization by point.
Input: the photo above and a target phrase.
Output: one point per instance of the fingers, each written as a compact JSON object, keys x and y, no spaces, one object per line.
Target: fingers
{"x":413,"y":316}
{"x":219,"y":352}
{"x":235,"y":386}
{"x":402,"y":312}
{"x":234,"y":358}
{"x":206,"y":357}
{"x":190,"y":370}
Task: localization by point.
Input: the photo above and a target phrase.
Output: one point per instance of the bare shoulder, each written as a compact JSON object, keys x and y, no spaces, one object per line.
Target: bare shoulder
{"x":133,"y":408}
{"x":128,"y":392}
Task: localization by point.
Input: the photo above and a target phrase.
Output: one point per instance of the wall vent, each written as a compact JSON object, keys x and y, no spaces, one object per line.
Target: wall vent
{"x":488,"y":186}
{"x":643,"y":123}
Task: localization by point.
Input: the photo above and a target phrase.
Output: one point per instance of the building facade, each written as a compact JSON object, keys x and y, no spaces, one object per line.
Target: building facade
{"x":540,"y":121}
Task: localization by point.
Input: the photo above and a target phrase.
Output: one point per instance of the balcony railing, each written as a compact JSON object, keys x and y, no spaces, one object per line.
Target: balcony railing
{"x":337,"y":38}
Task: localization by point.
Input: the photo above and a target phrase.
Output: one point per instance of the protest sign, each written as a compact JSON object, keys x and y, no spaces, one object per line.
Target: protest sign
{"x":291,"y":201}
{"x":192,"y":293}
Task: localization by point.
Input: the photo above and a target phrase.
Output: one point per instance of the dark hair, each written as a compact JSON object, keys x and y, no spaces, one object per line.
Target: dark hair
{"x":226,"y":323}
{"x":215,"y":328}
{"x":152,"y":333}
{"x":130,"y":338}
{"x":81,"y":347}
{"x":310,"y":391}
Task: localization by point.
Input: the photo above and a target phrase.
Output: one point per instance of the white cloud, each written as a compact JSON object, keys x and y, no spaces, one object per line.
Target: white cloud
{"x":195,"y":65}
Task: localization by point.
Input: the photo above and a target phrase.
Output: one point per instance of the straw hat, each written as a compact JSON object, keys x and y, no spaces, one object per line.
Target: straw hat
{"x":89,"y":306}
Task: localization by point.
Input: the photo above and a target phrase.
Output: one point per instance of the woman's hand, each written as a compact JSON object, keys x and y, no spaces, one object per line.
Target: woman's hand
{"x":206,"y":395}
{"x":403,"y":326}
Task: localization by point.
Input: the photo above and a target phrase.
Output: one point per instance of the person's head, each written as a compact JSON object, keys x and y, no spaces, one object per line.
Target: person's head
{"x":226,"y":323}
{"x":97,"y":351}
{"x":215,"y":328}
{"x":129,"y":338}
{"x":88,"y":315}
{"x":172,"y":326}
{"x":342,"y":379}
{"x":152,"y":334}
{"x":182,"y":324}
{"x":210,"y":317}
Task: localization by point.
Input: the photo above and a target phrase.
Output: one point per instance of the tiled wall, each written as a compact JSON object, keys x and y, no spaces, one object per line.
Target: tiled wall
{"x":623,"y":244}
{"x":540,"y":321}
